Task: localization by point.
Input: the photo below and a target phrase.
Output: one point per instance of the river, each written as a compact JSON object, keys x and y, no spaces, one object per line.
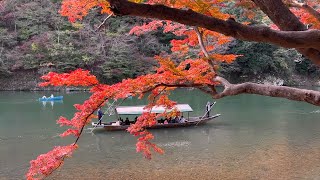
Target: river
{"x":255,"y":138}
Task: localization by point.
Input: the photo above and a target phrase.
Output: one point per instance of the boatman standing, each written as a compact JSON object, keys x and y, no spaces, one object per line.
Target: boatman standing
{"x":100,"y":114}
{"x":208,"y":108}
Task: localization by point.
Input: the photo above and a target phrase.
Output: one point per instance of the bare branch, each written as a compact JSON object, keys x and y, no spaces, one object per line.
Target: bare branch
{"x":223,"y":81}
{"x":203,"y":48}
{"x":210,"y":89}
{"x":200,"y":39}
{"x":104,"y":21}
{"x":309,"y":96}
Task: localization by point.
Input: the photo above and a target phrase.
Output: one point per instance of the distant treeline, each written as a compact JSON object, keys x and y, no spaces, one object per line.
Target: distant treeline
{"x":34,"y":37}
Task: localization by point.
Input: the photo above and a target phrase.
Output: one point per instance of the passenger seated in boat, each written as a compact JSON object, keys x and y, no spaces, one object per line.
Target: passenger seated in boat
{"x":117,"y":123}
{"x":182,"y":120}
{"x":161,"y":121}
{"x":165,"y":121}
{"x":171,"y":120}
{"x":176,"y":119}
{"x":135,"y":119}
{"x":121,"y":121}
{"x":127,"y":122}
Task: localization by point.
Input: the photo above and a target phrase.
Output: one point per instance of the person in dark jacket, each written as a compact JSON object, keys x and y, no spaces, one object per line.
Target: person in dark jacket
{"x":127,"y":122}
{"x":100,"y":115}
{"x":208,"y":108}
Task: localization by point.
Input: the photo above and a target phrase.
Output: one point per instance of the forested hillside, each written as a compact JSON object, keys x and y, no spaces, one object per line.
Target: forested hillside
{"x":36,"y":39}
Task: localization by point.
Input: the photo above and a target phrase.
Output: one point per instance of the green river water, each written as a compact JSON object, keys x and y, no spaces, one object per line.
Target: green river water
{"x":255,"y":138}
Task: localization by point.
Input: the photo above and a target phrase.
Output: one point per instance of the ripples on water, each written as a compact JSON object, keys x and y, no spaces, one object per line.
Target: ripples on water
{"x":316,"y":111}
{"x":176,"y":144}
{"x":255,"y":138}
{"x":309,"y":112}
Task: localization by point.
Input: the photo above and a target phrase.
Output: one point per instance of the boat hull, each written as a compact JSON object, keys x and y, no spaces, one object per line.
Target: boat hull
{"x":192,"y":122}
{"x":57,"y":98}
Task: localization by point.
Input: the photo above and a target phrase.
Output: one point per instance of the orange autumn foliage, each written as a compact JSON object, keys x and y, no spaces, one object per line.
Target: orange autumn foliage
{"x":191,"y":72}
{"x":168,"y":74}
{"x":77,"y":9}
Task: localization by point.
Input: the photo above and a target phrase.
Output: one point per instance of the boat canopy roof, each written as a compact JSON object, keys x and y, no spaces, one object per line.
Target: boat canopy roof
{"x":132,"y":110}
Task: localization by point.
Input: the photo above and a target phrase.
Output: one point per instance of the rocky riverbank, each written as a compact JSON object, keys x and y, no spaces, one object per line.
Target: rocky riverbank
{"x":29,"y":80}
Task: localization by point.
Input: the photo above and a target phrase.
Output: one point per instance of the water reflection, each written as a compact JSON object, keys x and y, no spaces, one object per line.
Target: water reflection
{"x":44,"y":103}
{"x":122,"y":145}
{"x":198,"y":153}
{"x":255,"y":138}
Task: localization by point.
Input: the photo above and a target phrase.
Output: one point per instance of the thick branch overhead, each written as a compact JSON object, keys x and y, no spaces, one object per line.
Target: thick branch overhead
{"x":279,"y":13}
{"x":293,"y":34}
{"x":296,"y":94}
{"x":289,"y":39}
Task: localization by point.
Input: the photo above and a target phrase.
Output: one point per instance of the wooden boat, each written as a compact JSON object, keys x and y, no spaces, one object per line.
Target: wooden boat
{"x":137,"y":110}
{"x":56,"y":98}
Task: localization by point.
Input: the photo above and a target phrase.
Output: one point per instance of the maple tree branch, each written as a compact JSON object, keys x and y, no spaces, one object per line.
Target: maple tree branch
{"x":280,"y":14}
{"x":86,"y":119}
{"x":289,"y":39}
{"x":172,"y":85}
{"x":209,"y":89}
{"x":212,"y":89}
{"x":296,"y":94}
{"x":203,"y":48}
{"x":201,"y":43}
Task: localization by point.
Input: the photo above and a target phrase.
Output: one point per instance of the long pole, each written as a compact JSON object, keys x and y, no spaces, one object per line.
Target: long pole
{"x":98,"y":122}
{"x":109,"y":109}
{"x":103,"y":115}
{"x":208,"y":110}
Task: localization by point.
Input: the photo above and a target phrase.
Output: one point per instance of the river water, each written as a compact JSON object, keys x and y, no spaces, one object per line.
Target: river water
{"x":255,"y":138}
